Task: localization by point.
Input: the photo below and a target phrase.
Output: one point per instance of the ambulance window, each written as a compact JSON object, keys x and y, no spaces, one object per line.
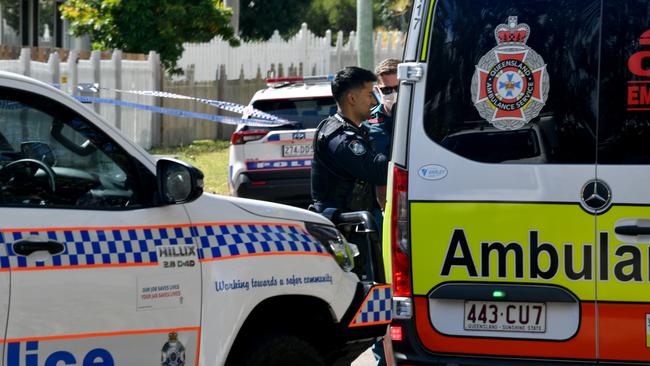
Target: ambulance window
{"x":53,"y":157}
{"x":547,"y":102}
{"x":624,"y":119}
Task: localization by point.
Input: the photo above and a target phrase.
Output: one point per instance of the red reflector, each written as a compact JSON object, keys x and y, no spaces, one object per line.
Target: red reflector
{"x":258,"y":183}
{"x":396,"y":333}
{"x":400,"y":242}
{"x":242,"y":137}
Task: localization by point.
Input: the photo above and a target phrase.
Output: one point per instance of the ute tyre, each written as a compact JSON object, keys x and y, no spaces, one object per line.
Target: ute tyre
{"x":283,"y":350}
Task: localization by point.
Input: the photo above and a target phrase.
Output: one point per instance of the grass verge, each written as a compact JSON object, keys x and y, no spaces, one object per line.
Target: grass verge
{"x":209,"y":156}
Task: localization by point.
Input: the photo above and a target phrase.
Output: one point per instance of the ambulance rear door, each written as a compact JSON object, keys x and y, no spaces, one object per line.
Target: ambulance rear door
{"x":623,"y":175}
{"x":502,"y":140}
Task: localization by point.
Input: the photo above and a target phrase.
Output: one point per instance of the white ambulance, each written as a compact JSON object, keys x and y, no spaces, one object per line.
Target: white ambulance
{"x":109,"y":257}
{"x":520,"y":219}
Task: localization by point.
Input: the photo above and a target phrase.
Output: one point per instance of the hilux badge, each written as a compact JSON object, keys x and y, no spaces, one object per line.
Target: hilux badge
{"x":510,"y":84}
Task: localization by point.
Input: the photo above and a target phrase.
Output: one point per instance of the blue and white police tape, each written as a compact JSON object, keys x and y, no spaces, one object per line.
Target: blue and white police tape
{"x":180,"y":112}
{"x":249,"y":111}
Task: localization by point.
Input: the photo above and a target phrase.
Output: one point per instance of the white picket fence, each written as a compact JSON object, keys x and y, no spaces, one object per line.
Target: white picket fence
{"x":143,"y":127}
{"x":316,"y":54}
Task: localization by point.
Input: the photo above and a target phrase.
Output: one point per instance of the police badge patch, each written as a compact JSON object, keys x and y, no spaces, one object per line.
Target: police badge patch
{"x":510,"y":85}
{"x":357,"y":148}
{"x":173,"y":352}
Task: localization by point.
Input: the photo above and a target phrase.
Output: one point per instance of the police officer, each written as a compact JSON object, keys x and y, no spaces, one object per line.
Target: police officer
{"x":346,"y":169}
{"x":380,"y":124}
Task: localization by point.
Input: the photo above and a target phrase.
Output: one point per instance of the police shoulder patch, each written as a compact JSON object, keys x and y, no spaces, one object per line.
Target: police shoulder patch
{"x":357,"y":147}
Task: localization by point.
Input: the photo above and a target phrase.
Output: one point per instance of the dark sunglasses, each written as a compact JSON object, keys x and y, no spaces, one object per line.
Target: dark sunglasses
{"x":385,"y":90}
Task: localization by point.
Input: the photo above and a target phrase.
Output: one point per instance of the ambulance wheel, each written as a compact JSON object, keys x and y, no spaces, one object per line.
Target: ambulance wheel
{"x":282,"y":350}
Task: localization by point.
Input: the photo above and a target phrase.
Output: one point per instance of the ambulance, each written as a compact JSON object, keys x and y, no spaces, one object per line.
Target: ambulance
{"x":519,"y":200}
{"x":111,"y":257}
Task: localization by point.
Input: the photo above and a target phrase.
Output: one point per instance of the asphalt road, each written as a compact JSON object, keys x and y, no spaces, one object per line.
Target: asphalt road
{"x":366,"y":359}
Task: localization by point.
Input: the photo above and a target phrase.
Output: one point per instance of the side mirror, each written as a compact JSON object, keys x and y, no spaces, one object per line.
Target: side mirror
{"x":178,"y":182}
{"x":38,"y":151}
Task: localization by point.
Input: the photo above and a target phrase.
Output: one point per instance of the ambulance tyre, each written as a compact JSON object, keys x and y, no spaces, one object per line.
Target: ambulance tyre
{"x":280,"y":350}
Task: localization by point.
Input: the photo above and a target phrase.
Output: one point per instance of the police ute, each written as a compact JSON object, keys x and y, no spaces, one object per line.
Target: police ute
{"x":520,"y":206}
{"x":109,"y":256}
{"x":274,"y":163}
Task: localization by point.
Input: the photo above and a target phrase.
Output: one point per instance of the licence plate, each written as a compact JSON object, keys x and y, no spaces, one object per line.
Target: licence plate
{"x":529,"y":317}
{"x":297,"y":150}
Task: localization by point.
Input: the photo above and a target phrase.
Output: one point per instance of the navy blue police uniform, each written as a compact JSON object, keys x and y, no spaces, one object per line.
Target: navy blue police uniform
{"x":345,"y":169}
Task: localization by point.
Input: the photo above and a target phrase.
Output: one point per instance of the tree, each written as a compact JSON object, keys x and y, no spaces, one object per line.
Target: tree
{"x":259,"y":18}
{"x":140,"y":26}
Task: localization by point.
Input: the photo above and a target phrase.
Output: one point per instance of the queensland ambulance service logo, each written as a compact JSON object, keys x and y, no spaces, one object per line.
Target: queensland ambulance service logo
{"x":510,"y":85}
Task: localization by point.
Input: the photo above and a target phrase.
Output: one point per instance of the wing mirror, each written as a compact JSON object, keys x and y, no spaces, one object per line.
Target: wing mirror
{"x":178,"y":182}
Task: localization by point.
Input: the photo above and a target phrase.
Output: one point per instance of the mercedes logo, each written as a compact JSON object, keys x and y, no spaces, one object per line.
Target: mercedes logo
{"x":596,"y":197}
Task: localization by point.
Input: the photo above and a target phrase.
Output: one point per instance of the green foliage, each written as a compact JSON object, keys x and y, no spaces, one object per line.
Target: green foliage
{"x":259,"y":18}
{"x":140,"y":26}
{"x":11,"y":13}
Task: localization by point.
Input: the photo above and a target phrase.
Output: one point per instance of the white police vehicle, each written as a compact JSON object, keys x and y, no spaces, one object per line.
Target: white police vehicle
{"x":274,"y":163}
{"x":111,"y":257}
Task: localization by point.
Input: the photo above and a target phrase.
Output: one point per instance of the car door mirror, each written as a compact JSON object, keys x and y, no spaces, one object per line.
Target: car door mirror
{"x":178,"y":182}
{"x":38,"y":151}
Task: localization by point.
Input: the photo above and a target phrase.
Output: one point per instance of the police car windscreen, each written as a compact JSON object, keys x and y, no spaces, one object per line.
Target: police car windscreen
{"x":308,"y":112}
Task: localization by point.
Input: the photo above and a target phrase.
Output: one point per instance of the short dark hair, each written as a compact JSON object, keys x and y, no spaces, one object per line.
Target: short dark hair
{"x":349,"y":78}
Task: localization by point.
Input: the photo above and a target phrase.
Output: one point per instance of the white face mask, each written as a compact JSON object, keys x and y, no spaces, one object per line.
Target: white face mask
{"x":388,"y":101}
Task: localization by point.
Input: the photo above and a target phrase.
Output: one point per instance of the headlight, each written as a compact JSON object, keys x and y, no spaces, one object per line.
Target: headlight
{"x":342,"y":251}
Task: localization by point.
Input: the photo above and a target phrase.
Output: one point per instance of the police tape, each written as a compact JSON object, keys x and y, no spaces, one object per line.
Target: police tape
{"x":249,"y":111}
{"x":179,"y":112}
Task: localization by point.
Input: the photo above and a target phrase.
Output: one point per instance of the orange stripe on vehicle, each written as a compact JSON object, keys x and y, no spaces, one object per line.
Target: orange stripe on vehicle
{"x":285,"y":141}
{"x":264,"y":255}
{"x":581,"y":346}
{"x":361,"y":308}
{"x":622,"y":332}
{"x":101,"y":334}
{"x":170,"y":226}
{"x":81,"y":266}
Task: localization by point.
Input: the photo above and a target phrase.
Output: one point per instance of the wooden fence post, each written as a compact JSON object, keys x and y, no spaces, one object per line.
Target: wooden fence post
{"x":96,"y":65}
{"x":116,"y":61}
{"x":25,"y":61}
{"x":73,"y":72}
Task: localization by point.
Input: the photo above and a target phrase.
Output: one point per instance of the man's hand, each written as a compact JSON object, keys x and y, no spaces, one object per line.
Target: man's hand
{"x":381,"y":197}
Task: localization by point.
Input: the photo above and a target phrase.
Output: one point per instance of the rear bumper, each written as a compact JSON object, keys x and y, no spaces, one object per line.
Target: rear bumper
{"x":410,"y":351}
{"x":293,"y":186}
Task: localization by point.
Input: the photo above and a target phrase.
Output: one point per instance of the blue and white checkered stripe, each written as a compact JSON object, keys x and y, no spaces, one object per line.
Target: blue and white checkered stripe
{"x":218,"y":242}
{"x":376,"y":309}
{"x":124,"y":246}
{"x":96,"y":246}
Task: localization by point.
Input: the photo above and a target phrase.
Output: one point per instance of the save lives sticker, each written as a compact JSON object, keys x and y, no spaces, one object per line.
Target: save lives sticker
{"x":161,"y":291}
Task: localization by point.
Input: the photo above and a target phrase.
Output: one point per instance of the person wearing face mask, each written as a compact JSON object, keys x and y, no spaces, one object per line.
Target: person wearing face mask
{"x":380,"y":123}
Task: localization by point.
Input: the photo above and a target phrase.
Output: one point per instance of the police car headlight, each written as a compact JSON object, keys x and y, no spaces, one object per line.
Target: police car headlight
{"x":335,"y":243}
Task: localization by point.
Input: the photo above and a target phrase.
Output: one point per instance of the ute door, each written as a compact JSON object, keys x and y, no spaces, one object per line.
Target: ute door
{"x":101,"y":274}
{"x":623,"y":221}
{"x":502,"y":139}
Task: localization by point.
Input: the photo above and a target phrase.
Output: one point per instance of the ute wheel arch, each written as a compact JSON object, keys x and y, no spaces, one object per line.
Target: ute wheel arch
{"x":290,"y":315}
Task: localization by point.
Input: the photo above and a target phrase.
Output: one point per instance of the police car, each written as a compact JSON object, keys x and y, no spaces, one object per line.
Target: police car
{"x":111,"y":257}
{"x":274,"y":163}
{"x":520,"y":227}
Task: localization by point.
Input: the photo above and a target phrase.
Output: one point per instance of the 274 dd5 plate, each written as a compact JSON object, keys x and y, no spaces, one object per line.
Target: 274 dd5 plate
{"x":503,"y":316}
{"x":297,"y":150}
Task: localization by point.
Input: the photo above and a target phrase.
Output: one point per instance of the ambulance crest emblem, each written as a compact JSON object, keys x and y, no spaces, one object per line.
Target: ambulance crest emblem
{"x":173,"y":352}
{"x":510,"y":84}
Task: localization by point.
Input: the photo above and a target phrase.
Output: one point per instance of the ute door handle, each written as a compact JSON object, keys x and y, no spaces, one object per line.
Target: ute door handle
{"x":633,"y":230}
{"x":29,"y":246}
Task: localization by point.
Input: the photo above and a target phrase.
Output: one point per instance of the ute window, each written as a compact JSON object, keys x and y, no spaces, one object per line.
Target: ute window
{"x":307,"y":112}
{"x":485,"y":105}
